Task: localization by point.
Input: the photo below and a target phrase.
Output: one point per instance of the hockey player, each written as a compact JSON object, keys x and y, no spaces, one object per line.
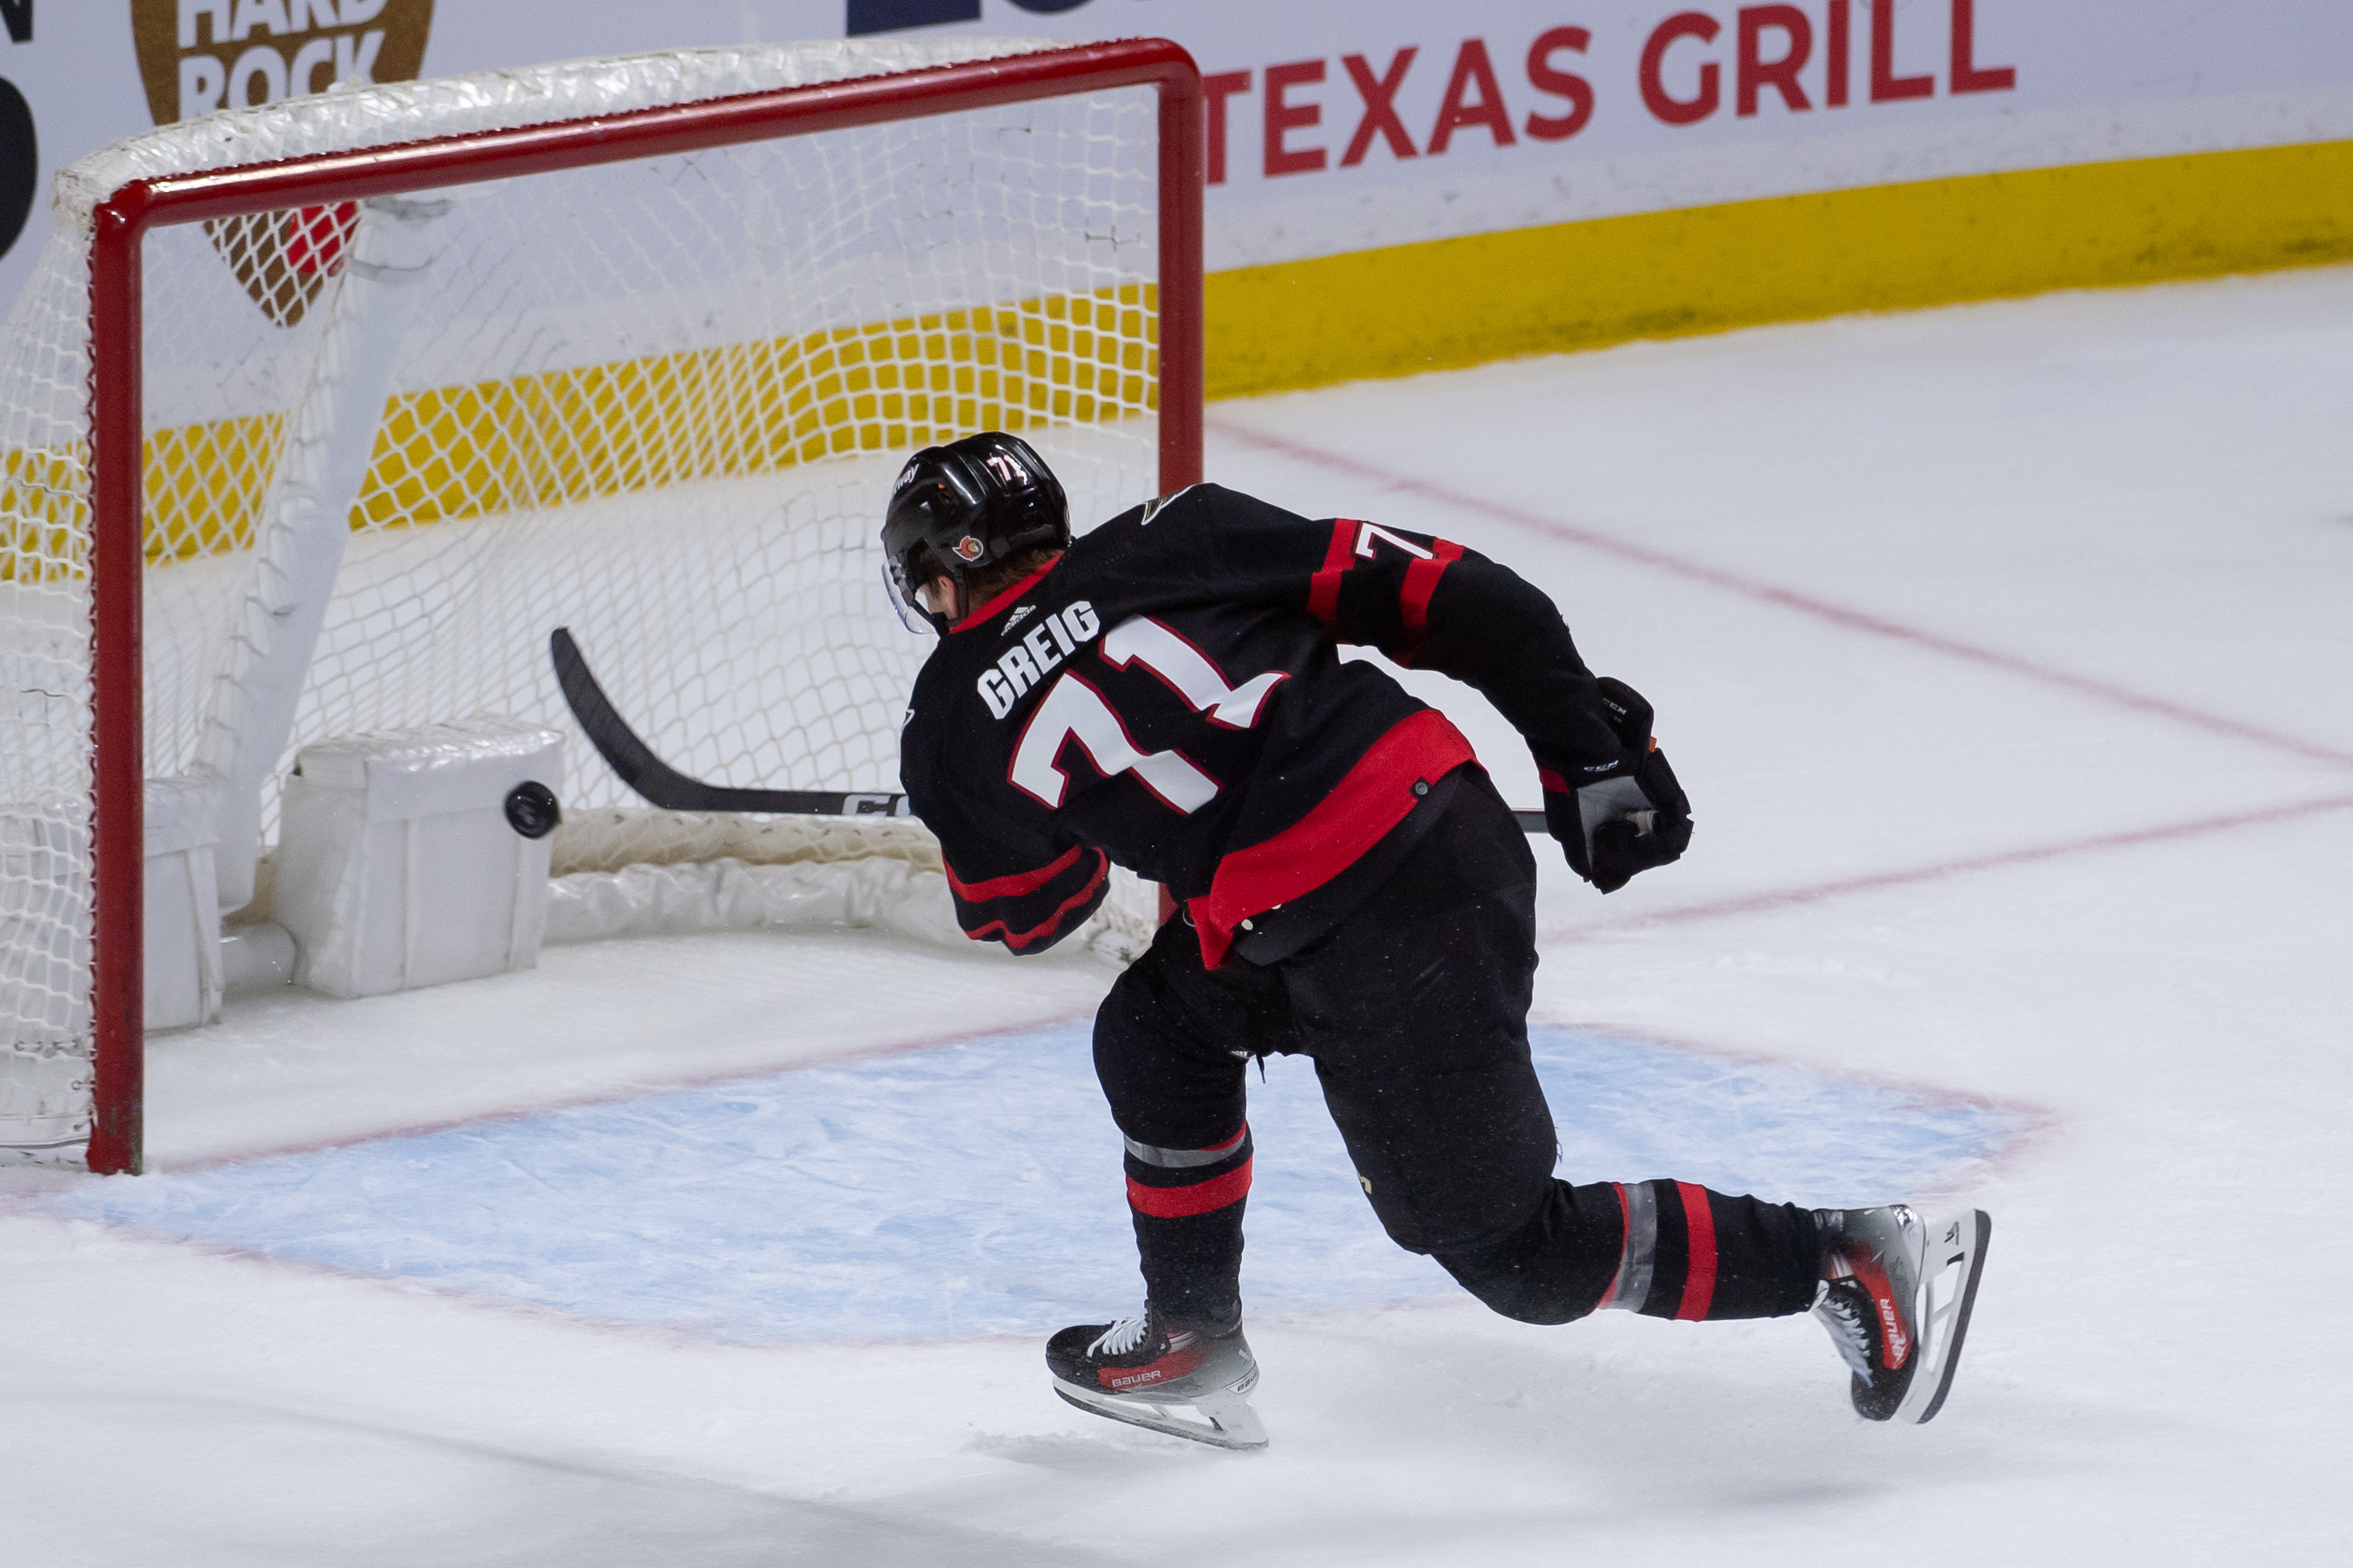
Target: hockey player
{"x":1166,"y":693}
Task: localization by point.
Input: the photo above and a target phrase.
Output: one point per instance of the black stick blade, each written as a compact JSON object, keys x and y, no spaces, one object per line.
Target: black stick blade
{"x":660,"y":784}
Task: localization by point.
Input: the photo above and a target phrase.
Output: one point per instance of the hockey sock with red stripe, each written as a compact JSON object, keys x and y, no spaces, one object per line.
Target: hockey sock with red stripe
{"x":1187,"y":1207}
{"x":1688,"y":1253}
{"x":1668,"y":1250}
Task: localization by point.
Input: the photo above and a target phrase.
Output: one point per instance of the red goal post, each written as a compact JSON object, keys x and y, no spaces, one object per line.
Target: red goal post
{"x":124,"y":220}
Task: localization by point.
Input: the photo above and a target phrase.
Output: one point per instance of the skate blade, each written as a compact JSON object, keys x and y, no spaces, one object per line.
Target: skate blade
{"x":1225,"y":1419}
{"x":1948,"y":1294}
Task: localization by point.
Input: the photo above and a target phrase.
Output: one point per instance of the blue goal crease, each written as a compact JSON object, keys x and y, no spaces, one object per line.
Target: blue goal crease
{"x":975,"y":1188}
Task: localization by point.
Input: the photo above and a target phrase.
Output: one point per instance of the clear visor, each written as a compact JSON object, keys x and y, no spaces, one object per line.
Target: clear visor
{"x":902,"y":594}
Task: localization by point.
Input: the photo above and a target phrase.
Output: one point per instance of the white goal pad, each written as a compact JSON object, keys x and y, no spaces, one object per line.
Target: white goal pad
{"x":388,"y":443}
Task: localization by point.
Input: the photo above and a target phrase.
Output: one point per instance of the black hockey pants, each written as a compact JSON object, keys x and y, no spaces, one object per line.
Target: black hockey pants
{"x":1414,"y":1009}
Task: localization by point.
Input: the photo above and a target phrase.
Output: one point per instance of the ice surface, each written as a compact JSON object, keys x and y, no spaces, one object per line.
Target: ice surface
{"x":2107,"y":878}
{"x":973,"y":1188}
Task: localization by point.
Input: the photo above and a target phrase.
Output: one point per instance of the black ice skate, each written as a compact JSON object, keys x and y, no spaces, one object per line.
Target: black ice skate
{"x":1896,"y":1293}
{"x":1188,"y":1382}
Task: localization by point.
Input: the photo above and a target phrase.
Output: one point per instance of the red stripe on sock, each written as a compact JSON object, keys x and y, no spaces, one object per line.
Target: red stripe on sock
{"x":1179,"y":1202}
{"x":1699,"y":1284}
{"x":1220,"y":1148}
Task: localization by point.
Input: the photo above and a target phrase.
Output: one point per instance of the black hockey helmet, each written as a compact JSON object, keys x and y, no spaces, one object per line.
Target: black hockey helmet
{"x":965,"y":505}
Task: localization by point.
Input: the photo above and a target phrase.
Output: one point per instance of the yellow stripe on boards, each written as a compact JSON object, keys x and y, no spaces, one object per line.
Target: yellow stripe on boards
{"x":752,"y":409}
{"x":541,"y":440}
{"x":1453,"y":302}
{"x":560,"y":436}
{"x":43,"y":532}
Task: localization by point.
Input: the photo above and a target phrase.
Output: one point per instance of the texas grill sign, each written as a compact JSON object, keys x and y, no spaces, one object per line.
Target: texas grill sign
{"x":198,"y":56}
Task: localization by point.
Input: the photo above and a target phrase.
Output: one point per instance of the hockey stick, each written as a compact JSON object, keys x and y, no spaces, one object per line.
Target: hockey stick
{"x":663,"y":785}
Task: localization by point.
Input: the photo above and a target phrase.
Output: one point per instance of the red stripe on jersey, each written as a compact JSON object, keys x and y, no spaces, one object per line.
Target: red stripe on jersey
{"x":1553,"y":783}
{"x":1011,"y":887}
{"x":1323,"y":588}
{"x":1017,"y":940}
{"x":1413,"y":599}
{"x":1006,"y":597}
{"x":1179,"y":1202}
{"x":1357,"y":814}
{"x":1699,"y":1284}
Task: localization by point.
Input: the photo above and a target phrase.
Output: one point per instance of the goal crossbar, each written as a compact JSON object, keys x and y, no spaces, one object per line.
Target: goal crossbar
{"x":122,"y":220}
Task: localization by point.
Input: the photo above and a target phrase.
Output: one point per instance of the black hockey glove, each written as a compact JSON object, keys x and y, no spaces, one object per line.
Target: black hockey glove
{"x":1624,"y":815}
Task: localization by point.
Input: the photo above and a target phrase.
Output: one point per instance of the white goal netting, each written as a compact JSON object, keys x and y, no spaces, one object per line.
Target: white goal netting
{"x":657,"y":402}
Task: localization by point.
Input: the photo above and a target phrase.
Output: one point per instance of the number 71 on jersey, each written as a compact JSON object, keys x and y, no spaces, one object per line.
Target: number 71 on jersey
{"x":1073,"y":710}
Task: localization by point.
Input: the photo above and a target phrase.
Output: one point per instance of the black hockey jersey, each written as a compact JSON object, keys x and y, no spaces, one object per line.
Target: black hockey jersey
{"x":1169,"y":696}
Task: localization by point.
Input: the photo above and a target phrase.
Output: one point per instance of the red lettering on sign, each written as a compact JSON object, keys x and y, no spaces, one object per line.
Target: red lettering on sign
{"x":1886,"y":87}
{"x":1283,"y":118}
{"x":1834,"y":58}
{"x":1471,"y":69}
{"x":1781,"y":74}
{"x":1380,"y":108}
{"x":1681,"y":111}
{"x":1215,"y":90}
{"x":1475,"y":95}
{"x":1967,"y":77}
{"x":1545,"y":78}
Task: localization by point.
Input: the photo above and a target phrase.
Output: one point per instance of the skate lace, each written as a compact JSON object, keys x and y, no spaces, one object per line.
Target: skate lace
{"x":1120,"y":1337}
{"x":1843,"y":1316}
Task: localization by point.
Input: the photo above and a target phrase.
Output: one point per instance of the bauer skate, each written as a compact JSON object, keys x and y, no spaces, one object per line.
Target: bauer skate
{"x":1187,"y":1382}
{"x":1896,"y":1294}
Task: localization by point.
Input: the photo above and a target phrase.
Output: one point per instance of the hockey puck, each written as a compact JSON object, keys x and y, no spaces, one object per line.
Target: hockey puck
{"x":532,"y":810}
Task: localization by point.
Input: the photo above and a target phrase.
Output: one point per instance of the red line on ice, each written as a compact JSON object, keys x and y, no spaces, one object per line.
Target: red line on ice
{"x":2030,"y":1125}
{"x":1788,"y":897}
{"x":1768,"y":592}
{"x":619,"y":1094}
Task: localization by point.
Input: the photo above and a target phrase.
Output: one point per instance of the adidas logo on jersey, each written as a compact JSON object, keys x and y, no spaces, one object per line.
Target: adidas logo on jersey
{"x":1056,"y":636}
{"x":1017,"y":617}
